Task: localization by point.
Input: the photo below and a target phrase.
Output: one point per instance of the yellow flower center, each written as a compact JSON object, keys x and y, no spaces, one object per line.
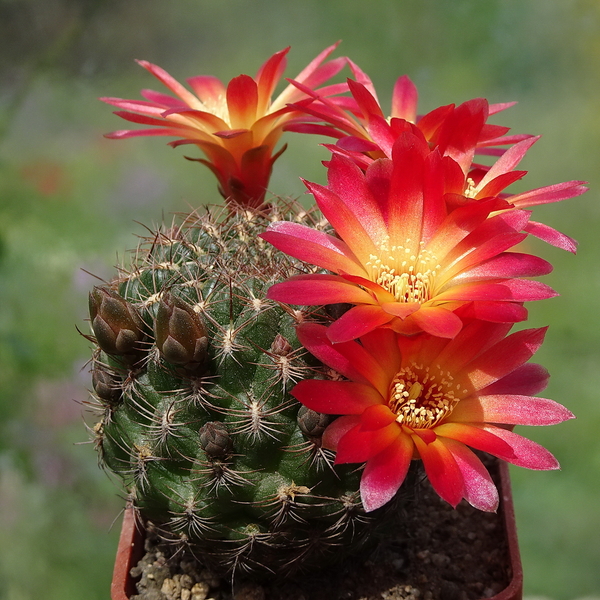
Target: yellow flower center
{"x":408,"y":276}
{"x":422,"y":396}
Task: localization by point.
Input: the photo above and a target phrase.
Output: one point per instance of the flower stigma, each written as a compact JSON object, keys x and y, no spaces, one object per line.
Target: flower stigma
{"x":471,"y":189}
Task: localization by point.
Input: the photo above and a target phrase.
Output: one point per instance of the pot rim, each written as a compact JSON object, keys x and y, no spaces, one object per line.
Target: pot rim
{"x":131,"y":546}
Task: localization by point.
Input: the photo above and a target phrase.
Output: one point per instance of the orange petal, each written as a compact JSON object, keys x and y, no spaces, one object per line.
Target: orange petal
{"x":242,"y":100}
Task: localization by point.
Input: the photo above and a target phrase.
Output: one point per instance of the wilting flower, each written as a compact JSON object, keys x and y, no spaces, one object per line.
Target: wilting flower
{"x":365,"y":134}
{"x":429,"y":398}
{"x":402,"y":254}
{"x":237,"y":127}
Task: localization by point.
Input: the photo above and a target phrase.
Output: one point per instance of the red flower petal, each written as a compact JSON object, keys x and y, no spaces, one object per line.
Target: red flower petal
{"x":479,"y":489}
{"x":509,"y":160}
{"x":504,"y":357}
{"x":145,"y":120}
{"x":478,"y":253}
{"x":351,"y":185}
{"x":496,"y":185}
{"x":339,"y":428}
{"x":404,"y":216}
{"x":473,"y":340}
{"x":550,"y":193}
{"x":442,"y":470}
{"x":336,"y":397}
{"x":359,"y":445}
{"x":507,"y":264}
{"x":312,"y":246}
{"x":437,"y":321}
{"x":242,"y":101}
{"x":267,"y":78}
{"x":356,"y":322}
{"x":404,"y":99}
{"x":528,"y":379}
{"x":400,"y":309}
{"x":435,"y":185}
{"x":506,"y":290}
{"x":347,"y":224}
{"x":511,"y":410}
{"x":161,"y":99}
{"x":310,"y":290}
{"x":376,"y":416}
{"x":458,"y":225}
{"x":347,"y":358}
{"x":527,"y":454}
{"x":171,"y":83}
{"x":551,"y":236}
{"x":382,"y":345}
{"x":366,"y":102}
{"x":314,"y":74}
{"x":496,"y":312}
{"x":209,"y":89}
{"x":140,"y":106}
{"x":478,"y":438}
{"x":384,"y":473}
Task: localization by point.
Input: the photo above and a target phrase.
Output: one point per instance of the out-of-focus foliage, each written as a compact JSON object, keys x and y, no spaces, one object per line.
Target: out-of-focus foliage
{"x":69,"y":202}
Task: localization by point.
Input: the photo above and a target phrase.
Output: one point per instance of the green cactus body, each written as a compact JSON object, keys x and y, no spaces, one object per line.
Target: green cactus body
{"x":191,"y":376}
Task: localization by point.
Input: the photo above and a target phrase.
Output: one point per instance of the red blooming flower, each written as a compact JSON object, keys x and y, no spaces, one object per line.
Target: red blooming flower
{"x":429,"y":398}
{"x":405,"y":256}
{"x":460,"y":132}
{"x":363,"y":129}
{"x":237,"y":127}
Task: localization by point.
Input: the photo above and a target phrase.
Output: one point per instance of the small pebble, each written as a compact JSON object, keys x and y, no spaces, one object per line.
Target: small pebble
{"x":200,"y":590}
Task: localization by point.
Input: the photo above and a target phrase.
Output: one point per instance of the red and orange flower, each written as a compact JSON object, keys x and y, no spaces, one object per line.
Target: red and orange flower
{"x":430,"y":398}
{"x":404,"y":255}
{"x":461,"y":132}
{"x":237,"y":127}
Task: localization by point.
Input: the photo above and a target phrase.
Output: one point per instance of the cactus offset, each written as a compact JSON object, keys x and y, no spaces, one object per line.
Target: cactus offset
{"x":191,"y":377}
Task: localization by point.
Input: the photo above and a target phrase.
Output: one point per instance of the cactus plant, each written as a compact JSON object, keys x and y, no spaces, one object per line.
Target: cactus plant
{"x":215,"y":383}
{"x":191,"y":377}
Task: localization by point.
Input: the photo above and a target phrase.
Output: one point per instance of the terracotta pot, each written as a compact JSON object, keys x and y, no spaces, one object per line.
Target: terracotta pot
{"x":131,"y":548}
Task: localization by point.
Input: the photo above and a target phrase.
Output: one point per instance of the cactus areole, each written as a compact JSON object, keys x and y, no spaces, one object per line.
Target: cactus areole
{"x":191,"y":375}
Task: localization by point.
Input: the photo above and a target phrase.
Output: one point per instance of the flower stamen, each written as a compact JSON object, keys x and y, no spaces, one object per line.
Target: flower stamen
{"x":421,"y":399}
{"x":407,"y":276}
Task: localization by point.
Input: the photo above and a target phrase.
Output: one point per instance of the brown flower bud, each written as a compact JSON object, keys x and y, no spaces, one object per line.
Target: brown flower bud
{"x":215,"y":439}
{"x":312,"y":423}
{"x":180,"y":334}
{"x":106,"y":384}
{"x":118,"y":327}
{"x":280,"y":346}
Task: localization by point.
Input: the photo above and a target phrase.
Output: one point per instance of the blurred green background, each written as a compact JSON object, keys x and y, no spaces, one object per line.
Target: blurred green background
{"x":70,"y":201}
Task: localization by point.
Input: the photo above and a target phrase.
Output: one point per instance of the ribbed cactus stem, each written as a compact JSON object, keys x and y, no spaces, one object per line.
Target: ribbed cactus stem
{"x":191,"y":377}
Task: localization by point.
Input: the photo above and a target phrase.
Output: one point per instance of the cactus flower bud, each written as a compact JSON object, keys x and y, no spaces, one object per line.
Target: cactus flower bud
{"x":312,"y":423}
{"x":180,"y":334}
{"x":106,"y":384}
{"x":117,"y":325}
{"x":281,"y":346}
{"x":215,"y":439}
